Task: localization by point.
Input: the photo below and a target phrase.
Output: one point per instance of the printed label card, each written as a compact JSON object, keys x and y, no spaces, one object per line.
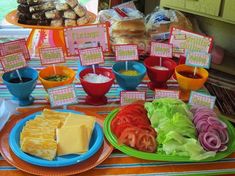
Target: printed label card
{"x":16,"y":46}
{"x":126,"y":52}
{"x":51,"y":55}
{"x":198,"y":59}
{"x":13,"y":62}
{"x":91,"y":56}
{"x":163,"y":93}
{"x":128,"y":97}
{"x":81,"y":37}
{"x":184,"y":40}
{"x":161,"y":49}
{"x":201,"y":99}
{"x":62,"y":96}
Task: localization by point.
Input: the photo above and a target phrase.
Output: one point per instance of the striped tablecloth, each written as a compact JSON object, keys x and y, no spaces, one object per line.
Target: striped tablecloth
{"x":118,"y":163}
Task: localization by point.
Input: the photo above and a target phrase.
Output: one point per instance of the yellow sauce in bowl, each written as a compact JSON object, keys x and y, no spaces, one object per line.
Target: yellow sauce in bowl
{"x":129,"y":72}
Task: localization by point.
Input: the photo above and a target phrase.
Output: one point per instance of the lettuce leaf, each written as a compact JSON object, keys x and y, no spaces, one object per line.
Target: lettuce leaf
{"x":172,"y":120}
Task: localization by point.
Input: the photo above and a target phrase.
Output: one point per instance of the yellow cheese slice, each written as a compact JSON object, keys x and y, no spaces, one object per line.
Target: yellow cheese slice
{"x":72,"y":140}
{"x":39,"y":122}
{"x":78,"y":119}
{"x":43,"y":148}
{"x":50,"y":114}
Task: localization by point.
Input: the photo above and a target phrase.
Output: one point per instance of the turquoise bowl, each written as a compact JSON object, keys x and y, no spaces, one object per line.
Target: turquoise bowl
{"x":129,"y":82}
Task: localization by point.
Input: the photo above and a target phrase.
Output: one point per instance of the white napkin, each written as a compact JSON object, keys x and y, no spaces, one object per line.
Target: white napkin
{"x":7,"y":108}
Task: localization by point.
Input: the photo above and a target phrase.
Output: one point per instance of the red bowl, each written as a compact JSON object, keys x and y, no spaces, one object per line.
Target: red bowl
{"x":159,"y":77}
{"x":96,"y":91}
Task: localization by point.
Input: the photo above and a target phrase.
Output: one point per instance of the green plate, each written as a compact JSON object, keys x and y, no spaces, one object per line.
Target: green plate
{"x":162,"y":156}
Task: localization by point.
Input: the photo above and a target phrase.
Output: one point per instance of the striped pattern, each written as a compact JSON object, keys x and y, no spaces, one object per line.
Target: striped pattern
{"x":118,"y":163}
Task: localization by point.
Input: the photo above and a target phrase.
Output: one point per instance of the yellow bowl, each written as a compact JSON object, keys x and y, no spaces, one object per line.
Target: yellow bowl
{"x":60,"y":70}
{"x":187,"y":84}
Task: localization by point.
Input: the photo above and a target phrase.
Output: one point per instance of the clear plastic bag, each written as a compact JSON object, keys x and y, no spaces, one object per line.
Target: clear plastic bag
{"x":160,"y":21}
{"x":7,"y":108}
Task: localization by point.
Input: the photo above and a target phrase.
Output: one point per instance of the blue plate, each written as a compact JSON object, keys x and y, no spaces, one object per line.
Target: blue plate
{"x":14,"y":142}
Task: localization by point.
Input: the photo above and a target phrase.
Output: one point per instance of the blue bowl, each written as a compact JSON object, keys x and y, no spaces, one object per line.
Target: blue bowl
{"x":96,"y":142}
{"x":129,"y":82}
{"x":21,"y":91}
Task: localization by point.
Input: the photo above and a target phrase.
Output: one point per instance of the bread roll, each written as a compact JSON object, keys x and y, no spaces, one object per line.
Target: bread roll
{"x":128,"y":27}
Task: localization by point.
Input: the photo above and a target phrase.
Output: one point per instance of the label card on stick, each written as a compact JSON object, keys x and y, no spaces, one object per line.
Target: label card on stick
{"x":51,"y":55}
{"x":162,"y":93}
{"x":184,"y":40}
{"x":198,"y":59}
{"x":15,"y":46}
{"x":63,"y":95}
{"x":91,"y":56}
{"x":128,"y":97}
{"x":161,"y":49}
{"x":126,"y":52}
{"x":201,"y":99}
{"x":81,"y":37}
{"x":13,"y":62}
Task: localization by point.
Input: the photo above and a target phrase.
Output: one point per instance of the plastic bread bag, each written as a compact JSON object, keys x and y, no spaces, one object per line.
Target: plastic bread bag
{"x":7,"y":108}
{"x":160,"y":21}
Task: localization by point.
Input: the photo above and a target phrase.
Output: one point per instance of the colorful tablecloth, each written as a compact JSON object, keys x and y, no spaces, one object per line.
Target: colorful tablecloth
{"x":118,"y":163}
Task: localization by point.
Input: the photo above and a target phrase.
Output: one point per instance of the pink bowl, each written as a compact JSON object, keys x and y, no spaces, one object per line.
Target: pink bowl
{"x":157,"y":77}
{"x":96,"y":91}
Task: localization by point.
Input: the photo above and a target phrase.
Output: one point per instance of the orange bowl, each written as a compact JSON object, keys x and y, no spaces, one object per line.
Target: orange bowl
{"x":60,"y":70}
{"x":187,"y":84}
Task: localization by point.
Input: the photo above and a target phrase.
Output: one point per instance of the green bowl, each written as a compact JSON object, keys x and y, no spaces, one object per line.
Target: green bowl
{"x":162,"y":156}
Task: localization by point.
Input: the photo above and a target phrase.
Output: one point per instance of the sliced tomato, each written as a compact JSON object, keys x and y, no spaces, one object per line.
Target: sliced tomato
{"x":120,"y":128}
{"x":134,"y":118}
{"x":148,"y":129}
{"x":129,"y":136}
{"x":146,"y":142}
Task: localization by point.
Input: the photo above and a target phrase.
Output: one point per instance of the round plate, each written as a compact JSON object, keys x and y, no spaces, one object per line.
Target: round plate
{"x":162,"y":156}
{"x":59,"y":161}
{"x":13,"y":19}
{"x":105,"y":150}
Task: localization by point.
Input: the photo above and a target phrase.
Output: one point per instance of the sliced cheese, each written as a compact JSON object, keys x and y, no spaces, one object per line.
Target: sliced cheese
{"x":72,"y":140}
{"x":78,"y":119}
{"x":43,"y":148}
{"x":50,"y":114}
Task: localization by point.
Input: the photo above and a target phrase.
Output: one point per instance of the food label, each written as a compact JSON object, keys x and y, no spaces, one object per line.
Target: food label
{"x":13,"y":62}
{"x":198,"y":59}
{"x":183,"y":40}
{"x":201,"y":99}
{"x":16,"y":46}
{"x":81,"y":37}
{"x":126,"y":52}
{"x":63,"y":95}
{"x":128,"y":97}
{"x":161,"y":49}
{"x":51,"y":55}
{"x":162,"y":93}
{"x":91,"y":56}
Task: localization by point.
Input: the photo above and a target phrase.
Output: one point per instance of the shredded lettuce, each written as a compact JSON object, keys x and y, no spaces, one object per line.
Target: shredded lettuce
{"x":171,"y":119}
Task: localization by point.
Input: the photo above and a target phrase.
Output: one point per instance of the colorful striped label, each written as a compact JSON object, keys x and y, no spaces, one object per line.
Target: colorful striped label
{"x":63,"y":95}
{"x":128,"y":97}
{"x":13,"y":62}
{"x":51,"y":55}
